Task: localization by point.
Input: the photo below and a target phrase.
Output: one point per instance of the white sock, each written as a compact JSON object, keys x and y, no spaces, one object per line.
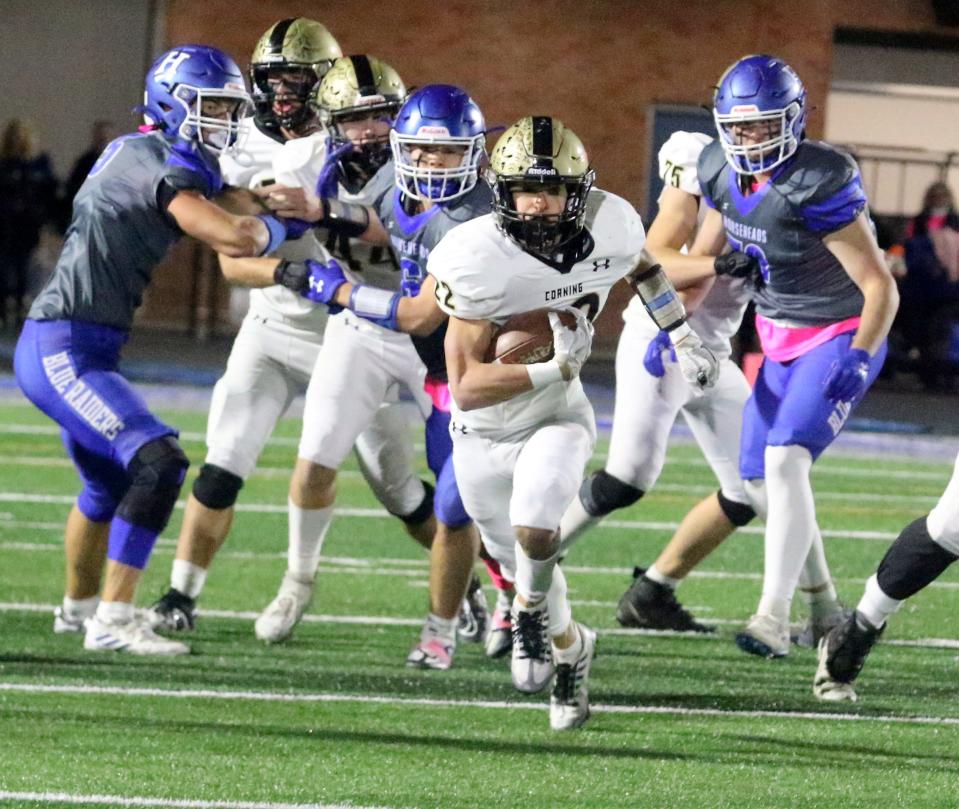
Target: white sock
{"x":80,"y":607}
{"x":115,"y":612}
{"x":188,"y":578}
{"x":576,"y":522}
{"x":875,"y":606}
{"x":572,"y":652}
{"x":504,"y":600}
{"x":790,"y":526}
{"x":442,"y":628}
{"x":815,"y":581}
{"x":654,"y":574}
{"x":308,"y":527}
{"x":534,"y":577}
{"x":560,"y":614}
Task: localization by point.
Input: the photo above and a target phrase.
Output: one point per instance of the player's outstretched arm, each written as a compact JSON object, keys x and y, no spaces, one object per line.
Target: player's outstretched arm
{"x":672,"y":229}
{"x":249,"y":272}
{"x":349,"y":218}
{"x":226,"y":233}
{"x":856,"y":249}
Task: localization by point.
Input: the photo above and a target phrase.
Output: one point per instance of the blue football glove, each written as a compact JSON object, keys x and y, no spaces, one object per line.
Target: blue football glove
{"x":653,"y":361}
{"x":846,"y":380}
{"x":295,"y":228}
{"x":328,"y":183}
{"x":323,"y":282}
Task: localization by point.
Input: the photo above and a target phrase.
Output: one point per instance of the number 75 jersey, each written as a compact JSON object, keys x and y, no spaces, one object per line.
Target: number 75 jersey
{"x":482,"y":274}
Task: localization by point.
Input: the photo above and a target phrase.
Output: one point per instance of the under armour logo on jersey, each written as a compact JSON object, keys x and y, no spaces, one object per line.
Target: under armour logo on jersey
{"x":172,"y":61}
{"x":600,"y":264}
{"x":457,"y":428}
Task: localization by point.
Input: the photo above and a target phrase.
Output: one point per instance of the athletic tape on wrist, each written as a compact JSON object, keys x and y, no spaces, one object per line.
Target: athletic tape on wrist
{"x":542,"y":374}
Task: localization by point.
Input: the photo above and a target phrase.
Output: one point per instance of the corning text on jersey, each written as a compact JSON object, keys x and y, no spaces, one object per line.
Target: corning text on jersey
{"x":563,"y":292}
{"x":745,"y":232}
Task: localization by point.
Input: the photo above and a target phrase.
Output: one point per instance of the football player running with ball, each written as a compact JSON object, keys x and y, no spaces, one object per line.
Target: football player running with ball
{"x":824,"y":300}
{"x":144,"y":192}
{"x":522,"y":433}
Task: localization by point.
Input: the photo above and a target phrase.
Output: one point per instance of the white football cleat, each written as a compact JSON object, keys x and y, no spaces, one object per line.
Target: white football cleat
{"x":764,"y":636}
{"x":69,"y":622}
{"x":532,"y":662}
{"x":134,"y":636}
{"x":824,"y":687}
{"x":569,"y":702}
{"x":283,"y":613}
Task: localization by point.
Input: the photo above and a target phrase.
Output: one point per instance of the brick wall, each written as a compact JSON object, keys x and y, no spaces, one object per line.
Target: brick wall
{"x":597,"y":64}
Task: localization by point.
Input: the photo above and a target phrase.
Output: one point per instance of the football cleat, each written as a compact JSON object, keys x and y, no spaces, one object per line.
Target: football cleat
{"x":499,"y":640}
{"x":134,"y":637}
{"x":474,"y":618}
{"x":174,"y":612}
{"x":650,"y":605}
{"x":815,"y":629}
{"x":532,"y":663}
{"x":842,"y":654}
{"x":68,"y":622}
{"x":283,"y":613}
{"x":764,"y":636}
{"x":569,"y":702}
{"x":431,"y":653}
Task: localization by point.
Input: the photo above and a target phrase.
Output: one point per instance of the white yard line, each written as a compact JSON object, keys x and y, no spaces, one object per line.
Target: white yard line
{"x":66,"y":798}
{"x":272,"y":696}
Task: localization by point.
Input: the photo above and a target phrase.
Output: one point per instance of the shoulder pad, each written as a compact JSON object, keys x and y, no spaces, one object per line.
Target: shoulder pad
{"x":465,"y":264}
{"x":709,"y":168}
{"x":609,"y":214}
{"x":677,"y":160}
{"x":824,"y":185}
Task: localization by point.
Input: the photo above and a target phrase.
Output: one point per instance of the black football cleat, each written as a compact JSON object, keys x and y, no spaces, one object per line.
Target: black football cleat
{"x":650,"y":605}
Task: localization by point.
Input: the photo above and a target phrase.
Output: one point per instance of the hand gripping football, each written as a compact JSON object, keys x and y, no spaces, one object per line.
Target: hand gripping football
{"x":526,"y":338}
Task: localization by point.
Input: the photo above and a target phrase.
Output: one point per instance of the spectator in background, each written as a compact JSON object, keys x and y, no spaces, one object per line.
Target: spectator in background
{"x":28,"y":192}
{"x":101,"y":134}
{"x":932,"y":279}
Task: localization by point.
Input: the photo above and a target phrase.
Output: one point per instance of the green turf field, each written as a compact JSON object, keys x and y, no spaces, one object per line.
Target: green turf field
{"x":334,"y":718}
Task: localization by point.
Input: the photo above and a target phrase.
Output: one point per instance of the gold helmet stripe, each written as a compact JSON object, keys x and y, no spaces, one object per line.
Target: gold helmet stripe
{"x":278,"y":34}
{"x":543,"y":141}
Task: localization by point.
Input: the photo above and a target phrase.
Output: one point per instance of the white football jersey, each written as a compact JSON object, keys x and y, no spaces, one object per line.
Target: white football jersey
{"x":481,"y":274}
{"x":263,"y":161}
{"x":719,"y":314}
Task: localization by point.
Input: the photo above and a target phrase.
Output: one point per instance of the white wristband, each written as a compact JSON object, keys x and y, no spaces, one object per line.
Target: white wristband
{"x":542,"y":374}
{"x":681,"y":331}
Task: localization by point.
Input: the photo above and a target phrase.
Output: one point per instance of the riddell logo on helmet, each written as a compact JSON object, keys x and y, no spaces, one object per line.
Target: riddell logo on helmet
{"x":542,"y":170}
{"x":433,"y":131}
{"x":744,"y":108}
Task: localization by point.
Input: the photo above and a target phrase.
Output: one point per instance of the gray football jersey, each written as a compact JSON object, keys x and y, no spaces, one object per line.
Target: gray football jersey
{"x":412,"y":237}
{"x":783,"y":223}
{"x":119,"y":232}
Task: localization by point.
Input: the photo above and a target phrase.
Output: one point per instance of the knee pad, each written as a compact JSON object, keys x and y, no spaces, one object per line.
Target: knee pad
{"x":156,"y":471}
{"x":739,"y":514}
{"x":215,"y":487}
{"x":913,"y":561}
{"x":423,"y":511}
{"x":601,"y":494}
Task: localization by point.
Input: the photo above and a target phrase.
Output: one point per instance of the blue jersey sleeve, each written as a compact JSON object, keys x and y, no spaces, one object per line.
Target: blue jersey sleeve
{"x":827,"y":188}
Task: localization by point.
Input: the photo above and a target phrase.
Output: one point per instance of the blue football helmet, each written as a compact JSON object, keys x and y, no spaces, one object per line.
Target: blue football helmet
{"x":178,"y":84}
{"x":437,"y":115}
{"x":760,"y":89}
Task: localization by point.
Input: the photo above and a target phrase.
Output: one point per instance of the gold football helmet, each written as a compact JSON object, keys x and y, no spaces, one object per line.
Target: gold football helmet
{"x":358,"y":88}
{"x":537,"y":153}
{"x":300,"y":50}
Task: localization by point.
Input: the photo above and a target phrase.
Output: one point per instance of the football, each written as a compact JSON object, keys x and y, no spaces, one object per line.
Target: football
{"x":526,"y":338}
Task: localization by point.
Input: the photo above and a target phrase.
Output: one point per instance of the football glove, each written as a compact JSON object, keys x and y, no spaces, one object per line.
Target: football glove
{"x":847,"y":377}
{"x":571,"y":347}
{"x":736,"y":264}
{"x":323,"y":282}
{"x":697,"y":363}
{"x":654,"y":362}
{"x":328,"y":183}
